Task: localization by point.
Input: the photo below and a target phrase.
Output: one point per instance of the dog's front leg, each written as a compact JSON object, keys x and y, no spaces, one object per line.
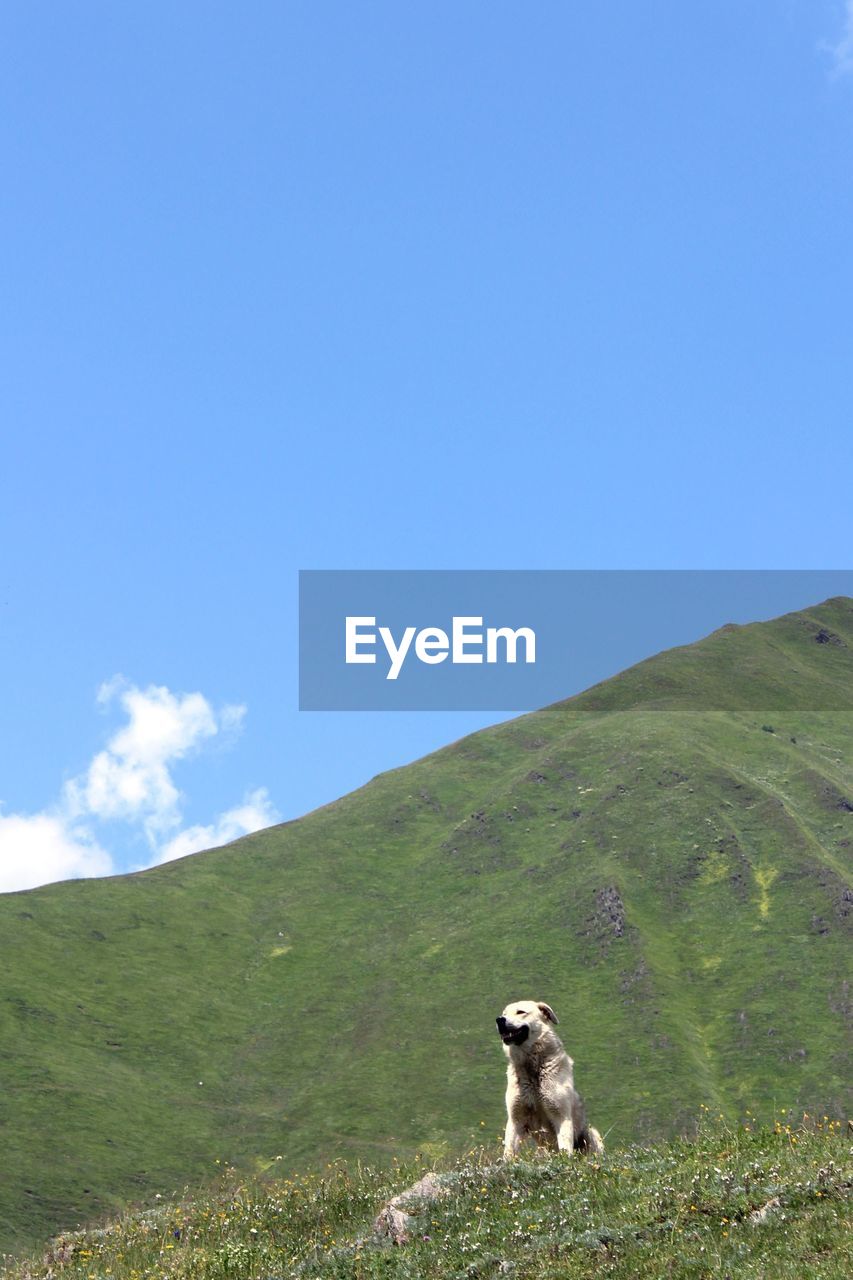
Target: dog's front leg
{"x":565,"y":1131}
{"x":513,"y":1136}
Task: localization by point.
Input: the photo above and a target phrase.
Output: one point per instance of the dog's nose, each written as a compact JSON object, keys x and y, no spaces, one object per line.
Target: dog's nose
{"x":501,"y":1024}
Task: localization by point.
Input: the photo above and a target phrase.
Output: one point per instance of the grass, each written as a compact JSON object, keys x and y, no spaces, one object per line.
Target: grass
{"x":684,"y":1208}
{"x":671,"y":878}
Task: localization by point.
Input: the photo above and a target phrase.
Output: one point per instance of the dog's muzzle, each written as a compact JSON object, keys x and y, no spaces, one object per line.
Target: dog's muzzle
{"x":510,"y":1034}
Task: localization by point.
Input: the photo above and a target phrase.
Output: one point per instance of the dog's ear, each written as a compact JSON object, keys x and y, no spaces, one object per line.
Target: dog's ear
{"x":548,"y":1013}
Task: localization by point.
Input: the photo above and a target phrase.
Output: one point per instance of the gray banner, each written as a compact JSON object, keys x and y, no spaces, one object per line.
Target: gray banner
{"x":515,"y":640}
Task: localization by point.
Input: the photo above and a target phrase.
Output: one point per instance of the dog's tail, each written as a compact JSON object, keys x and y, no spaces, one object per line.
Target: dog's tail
{"x":590,"y":1141}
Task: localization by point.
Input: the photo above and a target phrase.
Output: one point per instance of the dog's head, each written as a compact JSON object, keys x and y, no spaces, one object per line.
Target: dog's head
{"x":524,"y":1020}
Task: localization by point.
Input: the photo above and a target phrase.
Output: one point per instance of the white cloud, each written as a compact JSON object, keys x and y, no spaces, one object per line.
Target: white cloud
{"x":42,"y":847}
{"x":842,"y":51}
{"x":131,"y":781}
{"x":253,"y":814}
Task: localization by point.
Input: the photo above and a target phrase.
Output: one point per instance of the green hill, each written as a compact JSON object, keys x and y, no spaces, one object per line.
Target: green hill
{"x":665,"y":859}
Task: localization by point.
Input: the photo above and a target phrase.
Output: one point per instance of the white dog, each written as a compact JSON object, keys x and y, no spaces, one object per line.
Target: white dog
{"x":541,"y":1100}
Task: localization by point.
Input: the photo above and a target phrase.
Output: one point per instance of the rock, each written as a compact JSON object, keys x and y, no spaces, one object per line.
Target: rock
{"x":761,"y":1215}
{"x":393,"y":1222}
{"x":824,"y":636}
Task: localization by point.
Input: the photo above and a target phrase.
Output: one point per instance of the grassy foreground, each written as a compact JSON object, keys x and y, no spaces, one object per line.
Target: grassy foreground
{"x":683,"y":1208}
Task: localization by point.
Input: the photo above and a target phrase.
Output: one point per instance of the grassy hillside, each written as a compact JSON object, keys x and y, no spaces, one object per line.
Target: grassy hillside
{"x":665,"y":859}
{"x":747,"y":1203}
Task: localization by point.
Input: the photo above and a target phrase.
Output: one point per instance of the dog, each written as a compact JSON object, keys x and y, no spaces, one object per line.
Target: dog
{"x":541,"y":1099}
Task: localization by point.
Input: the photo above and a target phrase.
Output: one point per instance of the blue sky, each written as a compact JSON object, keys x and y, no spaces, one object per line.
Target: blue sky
{"x":384,"y":286}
